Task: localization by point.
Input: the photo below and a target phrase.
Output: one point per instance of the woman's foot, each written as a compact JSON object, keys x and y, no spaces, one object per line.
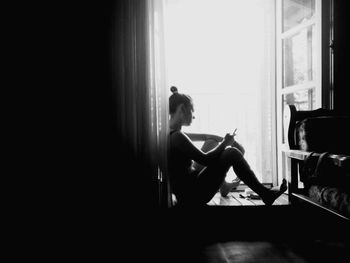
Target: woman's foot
{"x":273,"y":194}
{"x":227,"y":187}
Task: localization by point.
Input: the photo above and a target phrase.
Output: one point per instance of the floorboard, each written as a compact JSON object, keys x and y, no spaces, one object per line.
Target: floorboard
{"x":236,"y":199}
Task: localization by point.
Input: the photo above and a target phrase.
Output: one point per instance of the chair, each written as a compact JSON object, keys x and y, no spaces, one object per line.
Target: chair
{"x":310,"y":135}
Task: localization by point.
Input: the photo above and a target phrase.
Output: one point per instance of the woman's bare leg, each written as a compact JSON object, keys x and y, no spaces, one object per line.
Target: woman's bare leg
{"x":232,"y":156}
{"x":210,"y":178}
{"x":226,"y":186}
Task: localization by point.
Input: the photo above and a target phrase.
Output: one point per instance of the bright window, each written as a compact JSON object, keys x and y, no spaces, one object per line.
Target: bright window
{"x":222,"y":53}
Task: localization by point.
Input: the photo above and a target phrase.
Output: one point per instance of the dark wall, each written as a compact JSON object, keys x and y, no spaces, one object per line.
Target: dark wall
{"x":341,"y":55}
{"x":107,"y":177}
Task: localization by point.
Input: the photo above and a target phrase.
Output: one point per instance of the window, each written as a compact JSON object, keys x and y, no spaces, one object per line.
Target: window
{"x":221,"y":52}
{"x":299,"y":61}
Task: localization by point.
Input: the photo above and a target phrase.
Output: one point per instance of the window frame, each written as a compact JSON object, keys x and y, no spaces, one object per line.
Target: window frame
{"x":322,"y":83}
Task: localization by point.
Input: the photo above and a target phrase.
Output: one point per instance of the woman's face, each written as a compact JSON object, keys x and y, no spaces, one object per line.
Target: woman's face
{"x":188,"y":115}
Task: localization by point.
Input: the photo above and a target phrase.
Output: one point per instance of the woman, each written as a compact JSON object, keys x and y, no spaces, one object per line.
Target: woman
{"x":197,"y":184}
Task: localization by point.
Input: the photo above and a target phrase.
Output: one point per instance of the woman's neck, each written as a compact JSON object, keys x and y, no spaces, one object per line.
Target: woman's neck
{"x":175,"y":124}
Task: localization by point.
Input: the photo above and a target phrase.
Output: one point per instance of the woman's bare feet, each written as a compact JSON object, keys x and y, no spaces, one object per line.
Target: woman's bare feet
{"x":227,"y":187}
{"x":273,"y":194}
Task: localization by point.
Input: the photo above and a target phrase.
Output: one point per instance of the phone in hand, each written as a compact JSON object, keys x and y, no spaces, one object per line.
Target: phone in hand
{"x":234,"y":132}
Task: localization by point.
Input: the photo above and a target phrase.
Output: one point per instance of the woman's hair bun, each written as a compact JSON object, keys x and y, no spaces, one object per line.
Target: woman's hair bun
{"x":173,"y":89}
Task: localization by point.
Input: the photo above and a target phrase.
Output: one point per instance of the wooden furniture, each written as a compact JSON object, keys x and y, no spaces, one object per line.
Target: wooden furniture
{"x":296,"y":190}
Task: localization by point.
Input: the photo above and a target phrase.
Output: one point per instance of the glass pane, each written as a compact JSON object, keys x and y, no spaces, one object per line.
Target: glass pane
{"x":299,"y":57}
{"x":302,"y":100}
{"x":296,"y":12}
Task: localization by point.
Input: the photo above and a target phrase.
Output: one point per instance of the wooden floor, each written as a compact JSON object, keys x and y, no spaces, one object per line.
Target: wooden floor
{"x":237,"y":199}
{"x":271,"y":252}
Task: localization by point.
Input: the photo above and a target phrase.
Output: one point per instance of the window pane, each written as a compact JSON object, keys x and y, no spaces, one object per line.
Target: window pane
{"x":302,"y":100}
{"x":296,"y":12}
{"x":299,"y":57}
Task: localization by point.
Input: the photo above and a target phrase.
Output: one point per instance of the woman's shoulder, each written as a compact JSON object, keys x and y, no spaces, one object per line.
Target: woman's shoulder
{"x":175,"y":132}
{"x":178,"y":135}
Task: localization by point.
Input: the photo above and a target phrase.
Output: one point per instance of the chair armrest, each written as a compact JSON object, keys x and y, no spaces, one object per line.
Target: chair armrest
{"x":297,"y":154}
{"x":338,"y":159}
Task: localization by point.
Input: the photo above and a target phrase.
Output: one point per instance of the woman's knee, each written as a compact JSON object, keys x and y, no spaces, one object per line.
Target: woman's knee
{"x":231,"y":154}
{"x":239,"y":147}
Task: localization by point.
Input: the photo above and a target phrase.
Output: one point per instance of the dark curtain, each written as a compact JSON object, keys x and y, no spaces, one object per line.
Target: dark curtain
{"x":132,"y":105}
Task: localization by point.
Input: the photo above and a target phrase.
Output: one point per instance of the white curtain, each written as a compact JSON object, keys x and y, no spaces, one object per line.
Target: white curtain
{"x":158,"y":97}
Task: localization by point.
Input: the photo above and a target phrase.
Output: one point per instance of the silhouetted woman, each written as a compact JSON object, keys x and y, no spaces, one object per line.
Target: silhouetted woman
{"x":196,"y":175}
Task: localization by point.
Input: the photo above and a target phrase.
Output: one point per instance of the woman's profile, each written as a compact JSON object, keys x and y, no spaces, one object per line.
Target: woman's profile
{"x":197,"y":174}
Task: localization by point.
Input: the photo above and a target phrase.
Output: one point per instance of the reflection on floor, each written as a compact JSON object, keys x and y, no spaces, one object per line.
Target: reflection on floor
{"x":264,"y":251}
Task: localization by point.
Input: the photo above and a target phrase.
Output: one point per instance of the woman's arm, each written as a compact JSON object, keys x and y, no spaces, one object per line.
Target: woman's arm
{"x":203,"y":137}
{"x":184,"y":144}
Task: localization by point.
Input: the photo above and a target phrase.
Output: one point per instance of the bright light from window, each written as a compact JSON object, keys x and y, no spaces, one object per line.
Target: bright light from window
{"x":219,"y":52}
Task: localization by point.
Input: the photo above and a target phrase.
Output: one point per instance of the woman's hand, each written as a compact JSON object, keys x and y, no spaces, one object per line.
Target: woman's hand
{"x":229,"y":139}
